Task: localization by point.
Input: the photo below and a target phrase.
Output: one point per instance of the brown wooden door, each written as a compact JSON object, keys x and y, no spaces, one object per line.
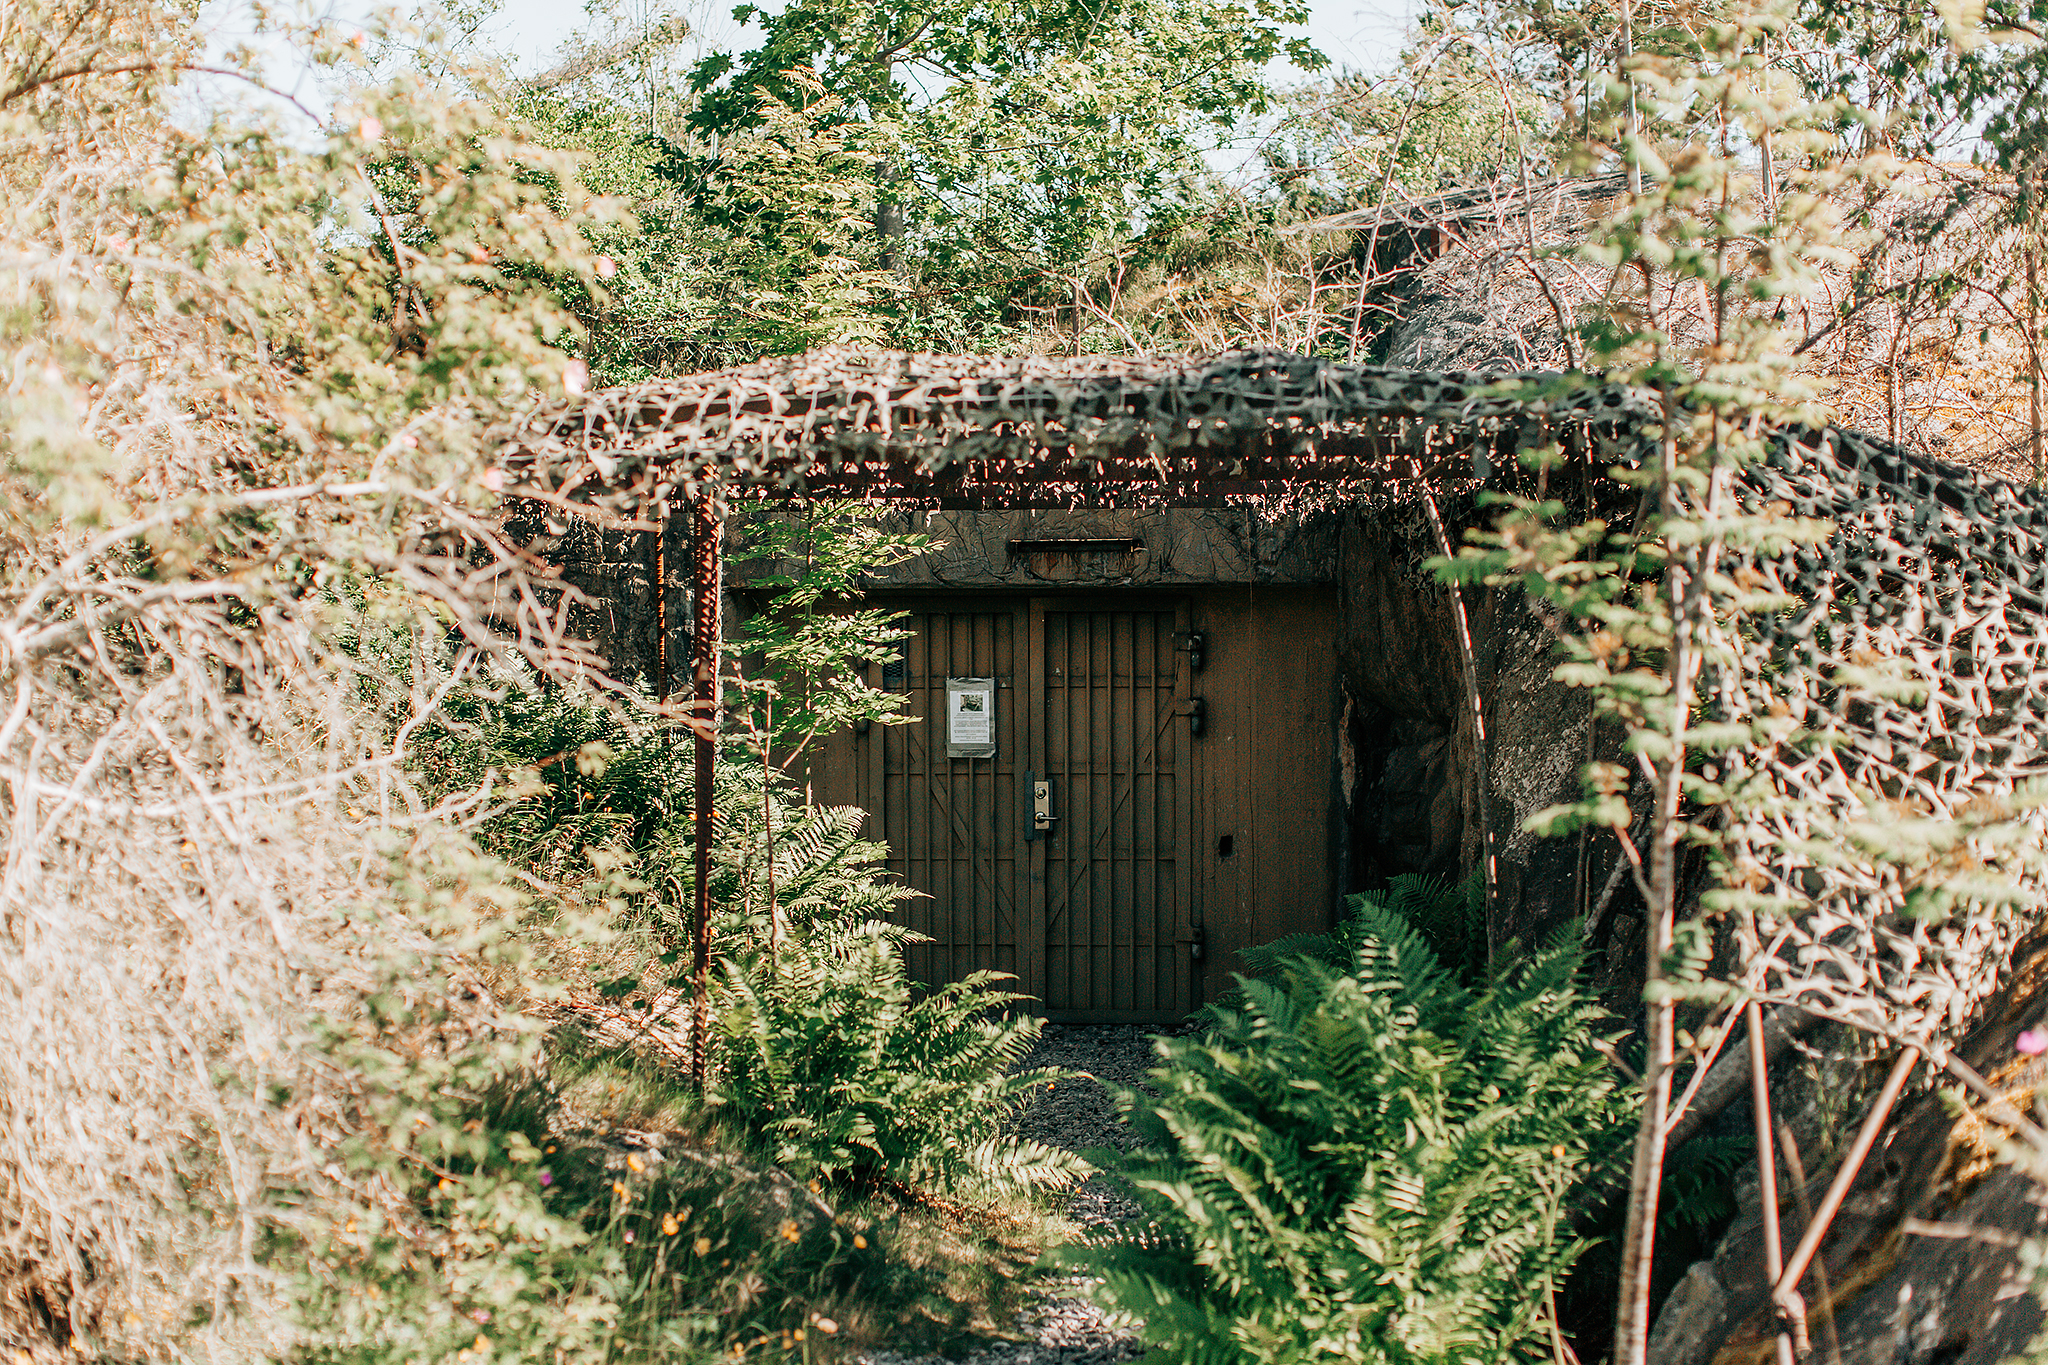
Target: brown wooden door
{"x":1111,"y":880}
{"x":1095,"y":918}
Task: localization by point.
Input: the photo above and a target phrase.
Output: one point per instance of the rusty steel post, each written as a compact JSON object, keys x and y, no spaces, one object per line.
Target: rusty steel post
{"x":1785,"y":1294}
{"x":707,"y":532}
{"x":1767,"y":1167}
{"x":661,"y":609}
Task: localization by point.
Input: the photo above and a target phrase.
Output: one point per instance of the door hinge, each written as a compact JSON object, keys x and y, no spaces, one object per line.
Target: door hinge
{"x":1197,"y":712}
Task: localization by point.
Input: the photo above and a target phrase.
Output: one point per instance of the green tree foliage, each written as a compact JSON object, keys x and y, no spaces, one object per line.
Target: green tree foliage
{"x":765,"y":246}
{"x":1367,"y":1162}
{"x":935,"y":177}
{"x":1018,"y":138}
{"x":806,"y":649}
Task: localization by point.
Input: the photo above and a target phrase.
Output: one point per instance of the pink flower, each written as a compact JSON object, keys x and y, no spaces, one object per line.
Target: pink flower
{"x":371,"y":128}
{"x":2033,"y":1042}
{"x":547,"y":1177}
{"x":575,"y":377}
{"x":494,"y":479}
{"x":606,"y":267}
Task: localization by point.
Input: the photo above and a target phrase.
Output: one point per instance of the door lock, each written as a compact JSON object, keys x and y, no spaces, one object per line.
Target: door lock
{"x":1041,"y":807}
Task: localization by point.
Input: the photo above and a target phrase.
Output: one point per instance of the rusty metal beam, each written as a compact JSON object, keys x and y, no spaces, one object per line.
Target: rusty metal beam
{"x":707,"y":531}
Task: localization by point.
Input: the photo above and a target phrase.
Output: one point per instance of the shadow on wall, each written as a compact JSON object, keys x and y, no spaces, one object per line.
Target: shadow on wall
{"x":1407,"y":804}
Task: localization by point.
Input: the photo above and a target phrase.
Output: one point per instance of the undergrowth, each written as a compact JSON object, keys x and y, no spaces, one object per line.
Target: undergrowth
{"x":1366,"y":1161}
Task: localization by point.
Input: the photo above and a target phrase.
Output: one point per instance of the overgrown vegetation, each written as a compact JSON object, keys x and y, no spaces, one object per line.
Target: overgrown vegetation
{"x":343,"y":913}
{"x":1367,"y":1160}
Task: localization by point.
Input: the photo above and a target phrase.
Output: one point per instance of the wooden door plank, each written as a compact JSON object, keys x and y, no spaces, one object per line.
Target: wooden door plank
{"x":1186,"y":915}
{"x":1031,"y":935}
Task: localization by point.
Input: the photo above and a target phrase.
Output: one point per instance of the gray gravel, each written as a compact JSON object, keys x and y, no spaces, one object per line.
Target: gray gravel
{"x":1060,"y":1325}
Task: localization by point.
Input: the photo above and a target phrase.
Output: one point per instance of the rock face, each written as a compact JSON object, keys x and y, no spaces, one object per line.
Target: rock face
{"x":1923,"y":1263}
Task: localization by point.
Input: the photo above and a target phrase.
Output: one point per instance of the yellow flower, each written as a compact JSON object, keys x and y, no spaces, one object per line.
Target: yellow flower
{"x":703,"y":1247}
{"x":669,"y":1226}
{"x":619,"y":1188}
{"x":635,"y":1164}
{"x":481,"y":1344}
{"x":445,"y":1186}
{"x":827,"y":1326}
{"x":1558,"y":1151}
{"x":860,"y":1243}
{"x":790,"y":1231}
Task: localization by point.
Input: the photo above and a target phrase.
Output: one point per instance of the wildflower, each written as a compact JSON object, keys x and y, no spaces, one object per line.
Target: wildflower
{"x":481,"y":1344}
{"x":445,"y":1185}
{"x":669,"y":1226}
{"x":703,"y":1246}
{"x":619,"y":1188}
{"x":629,"y":1236}
{"x":1558,"y":1151}
{"x":635,"y":1164}
{"x":372,"y":129}
{"x":575,"y":377}
{"x":606,"y":267}
{"x":860,"y":1243}
{"x":790,"y":1231}
{"x":826,"y":1325}
{"x":494,"y":479}
{"x":547,"y":1177}
{"x":2033,"y":1042}
{"x":481,"y":1315}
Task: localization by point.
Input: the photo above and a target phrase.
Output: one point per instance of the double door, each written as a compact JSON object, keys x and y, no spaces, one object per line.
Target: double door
{"x":1081,"y":887}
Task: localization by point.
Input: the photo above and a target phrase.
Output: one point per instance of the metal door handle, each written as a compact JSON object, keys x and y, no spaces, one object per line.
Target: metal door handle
{"x":1041,"y":807}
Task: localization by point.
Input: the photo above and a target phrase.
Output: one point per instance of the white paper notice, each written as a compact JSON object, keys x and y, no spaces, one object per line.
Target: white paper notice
{"x":970,"y":717}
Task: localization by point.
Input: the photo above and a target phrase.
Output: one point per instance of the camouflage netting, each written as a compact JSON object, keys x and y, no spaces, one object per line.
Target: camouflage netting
{"x":1912,"y":677}
{"x":1910,"y":682}
{"x":1049,"y":432}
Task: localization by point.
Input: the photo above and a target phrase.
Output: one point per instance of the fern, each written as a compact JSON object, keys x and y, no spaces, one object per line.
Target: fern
{"x":851,"y":1071}
{"x":1699,"y":1181}
{"x":1366,"y":1161}
{"x":1448,"y":919}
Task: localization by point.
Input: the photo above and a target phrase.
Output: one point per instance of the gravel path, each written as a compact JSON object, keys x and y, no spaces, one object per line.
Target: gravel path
{"x":1059,"y":1326}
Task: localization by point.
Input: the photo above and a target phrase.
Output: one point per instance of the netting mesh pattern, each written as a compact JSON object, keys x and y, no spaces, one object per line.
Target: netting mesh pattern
{"x":1900,"y":857}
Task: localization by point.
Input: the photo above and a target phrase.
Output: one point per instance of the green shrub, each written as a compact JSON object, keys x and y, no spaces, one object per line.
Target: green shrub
{"x":1449,"y":918}
{"x":827,"y":1048}
{"x":822,"y":1046}
{"x":1367,"y":1164}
